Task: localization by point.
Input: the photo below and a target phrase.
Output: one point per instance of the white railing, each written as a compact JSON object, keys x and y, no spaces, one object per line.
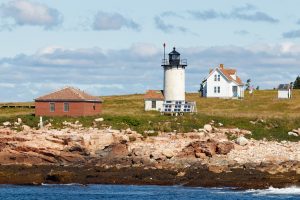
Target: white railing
{"x":179,"y":107}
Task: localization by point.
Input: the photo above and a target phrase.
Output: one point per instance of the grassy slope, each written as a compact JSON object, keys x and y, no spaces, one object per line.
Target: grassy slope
{"x":262,"y":104}
{"x":128,"y":111}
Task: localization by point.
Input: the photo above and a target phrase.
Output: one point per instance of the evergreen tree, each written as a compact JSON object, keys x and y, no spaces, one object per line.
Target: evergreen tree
{"x":257,"y":88}
{"x":297,"y":83}
{"x":248,"y":83}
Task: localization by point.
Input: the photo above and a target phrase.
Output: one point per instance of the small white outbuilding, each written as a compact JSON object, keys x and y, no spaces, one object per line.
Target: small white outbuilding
{"x":154,"y":100}
{"x":284,"y":91}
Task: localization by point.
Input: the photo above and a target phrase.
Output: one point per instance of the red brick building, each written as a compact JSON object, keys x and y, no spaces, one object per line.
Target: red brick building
{"x":68,"y":101}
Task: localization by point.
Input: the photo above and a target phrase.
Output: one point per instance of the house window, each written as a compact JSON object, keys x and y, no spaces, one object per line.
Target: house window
{"x":215,"y":77}
{"x":66,"y":107}
{"x":219,"y":89}
{"x":52,"y":107}
{"x":219,"y":77}
{"x":215,"y":89}
{"x":94,"y":107}
{"x":153,"y":104}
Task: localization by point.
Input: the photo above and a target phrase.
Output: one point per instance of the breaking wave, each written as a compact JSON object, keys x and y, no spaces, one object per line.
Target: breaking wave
{"x":293,"y":190}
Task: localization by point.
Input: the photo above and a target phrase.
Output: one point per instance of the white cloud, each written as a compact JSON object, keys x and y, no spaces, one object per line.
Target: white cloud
{"x":24,"y":12}
{"x":113,"y":21}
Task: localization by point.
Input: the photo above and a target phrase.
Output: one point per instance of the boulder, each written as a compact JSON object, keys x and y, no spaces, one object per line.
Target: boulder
{"x":19,"y":120}
{"x":168,"y":153}
{"x":293,"y":134}
{"x":208,"y":128}
{"x":128,"y":131}
{"x":297,"y":131}
{"x":242,"y":141}
{"x":224,"y":147}
{"x":25,"y":127}
{"x":157,"y":156}
{"x":48,"y":125}
{"x":17,"y":124}
{"x":208,"y":148}
{"x":6,"y":124}
{"x":200,"y":155}
{"x":149,"y":132}
{"x":245,"y":132}
{"x":119,"y":150}
{"x":114,"y":151}
{"x":99,"y":120}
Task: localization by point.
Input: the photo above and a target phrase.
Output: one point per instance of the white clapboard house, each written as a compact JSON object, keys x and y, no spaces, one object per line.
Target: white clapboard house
{"x":284,"y":91}
{"x":222,"y":83}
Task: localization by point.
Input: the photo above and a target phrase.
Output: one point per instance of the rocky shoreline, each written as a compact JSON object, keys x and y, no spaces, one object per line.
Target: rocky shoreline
{"x":207,"y":157}
{"x":197,"y":176}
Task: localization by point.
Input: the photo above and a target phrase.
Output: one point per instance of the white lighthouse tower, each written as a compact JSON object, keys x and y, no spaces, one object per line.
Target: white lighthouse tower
{"x":174,"y":85}
{"x":174,"y":77}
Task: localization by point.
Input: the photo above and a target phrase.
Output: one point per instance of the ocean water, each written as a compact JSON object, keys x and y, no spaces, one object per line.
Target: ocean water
{"x":128,"y":192}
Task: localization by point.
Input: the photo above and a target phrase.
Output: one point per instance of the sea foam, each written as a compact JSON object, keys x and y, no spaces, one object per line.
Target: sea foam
{"x":293,"y":190}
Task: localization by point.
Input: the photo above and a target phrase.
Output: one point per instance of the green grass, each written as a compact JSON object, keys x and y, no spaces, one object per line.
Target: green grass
{"x":127,"y":111}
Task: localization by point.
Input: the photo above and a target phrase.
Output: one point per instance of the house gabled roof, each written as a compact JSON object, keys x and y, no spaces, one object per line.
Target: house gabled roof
{"x":284,"y":87}
{"x":154,"y":95}
{"x":227,"y":74}
{"x":69,"y":94}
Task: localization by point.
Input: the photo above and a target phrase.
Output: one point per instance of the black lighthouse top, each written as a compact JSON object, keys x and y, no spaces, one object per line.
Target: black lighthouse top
{"x":174,"y":55}
{"x":174,"y":59}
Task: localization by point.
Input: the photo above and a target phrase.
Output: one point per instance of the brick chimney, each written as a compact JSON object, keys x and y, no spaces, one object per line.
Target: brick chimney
{"x":221,"y":66}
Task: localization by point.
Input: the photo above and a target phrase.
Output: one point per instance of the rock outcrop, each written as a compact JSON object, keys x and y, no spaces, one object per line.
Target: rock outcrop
{"x":208,"y":150}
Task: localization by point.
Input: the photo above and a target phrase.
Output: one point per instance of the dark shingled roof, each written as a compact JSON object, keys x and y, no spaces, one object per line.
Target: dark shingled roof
{"x":284,"y":87}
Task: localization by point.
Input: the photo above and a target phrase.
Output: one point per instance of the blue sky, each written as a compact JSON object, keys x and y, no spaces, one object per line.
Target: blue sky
{"x":115,"y":47}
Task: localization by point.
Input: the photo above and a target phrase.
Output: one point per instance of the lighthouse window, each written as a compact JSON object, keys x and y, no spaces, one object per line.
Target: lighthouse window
{"x":153,"y":104}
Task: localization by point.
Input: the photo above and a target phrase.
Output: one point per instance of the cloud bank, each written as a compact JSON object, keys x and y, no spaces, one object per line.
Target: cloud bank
{"x":245,"y":13}
{"x":137,"y":68}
